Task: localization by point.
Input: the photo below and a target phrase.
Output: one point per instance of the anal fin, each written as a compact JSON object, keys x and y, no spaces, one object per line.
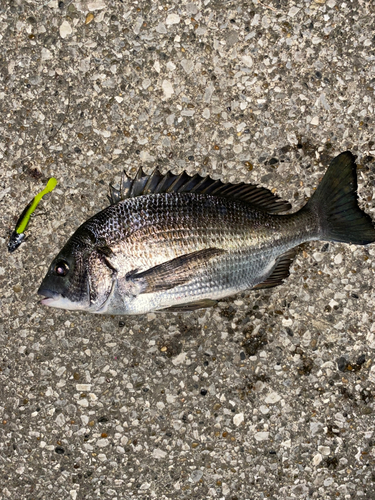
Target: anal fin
{"x":280,"y":271}
{"x":190,"y":306}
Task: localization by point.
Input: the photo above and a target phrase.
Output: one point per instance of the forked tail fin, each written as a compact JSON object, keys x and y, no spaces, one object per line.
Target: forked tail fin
{"x":336,"y":203}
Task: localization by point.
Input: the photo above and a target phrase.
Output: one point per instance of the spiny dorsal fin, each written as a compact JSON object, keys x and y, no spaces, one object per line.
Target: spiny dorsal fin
{"x":143,"y":184}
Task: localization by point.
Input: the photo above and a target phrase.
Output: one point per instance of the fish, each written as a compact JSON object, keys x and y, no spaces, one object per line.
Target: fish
{"x":178,"y":243}
{"x":18,"y":235}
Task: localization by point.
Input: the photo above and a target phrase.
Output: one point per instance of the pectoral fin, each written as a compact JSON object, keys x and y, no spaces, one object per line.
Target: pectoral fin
{"x":174,"y":272}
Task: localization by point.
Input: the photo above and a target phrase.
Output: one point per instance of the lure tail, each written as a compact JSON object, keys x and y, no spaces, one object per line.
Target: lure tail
{"x":17,"y":236}
{"x":336,"y":203}
{"x":24,"y":218}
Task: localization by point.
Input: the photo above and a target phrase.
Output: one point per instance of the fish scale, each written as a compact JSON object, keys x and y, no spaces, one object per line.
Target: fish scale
{"x":190,"y":241}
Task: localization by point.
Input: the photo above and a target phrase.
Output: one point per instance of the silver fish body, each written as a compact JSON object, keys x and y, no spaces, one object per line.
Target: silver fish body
{"x":184,"y":250}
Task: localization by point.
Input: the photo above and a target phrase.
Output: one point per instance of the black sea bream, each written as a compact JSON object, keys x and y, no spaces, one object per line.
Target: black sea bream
{"x":179,"y":243}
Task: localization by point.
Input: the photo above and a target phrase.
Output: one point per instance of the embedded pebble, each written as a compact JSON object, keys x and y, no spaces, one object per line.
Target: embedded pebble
{"x":96,"y":5}
{"x":238,"y":419}
{"x":317,"y":459}
{"x":196,"y":475}
{"x":160,"y":28}
{"x":293,"y":11}
{"x":272,"y":398}
{"x":167,"y":88}
{"x":158,"y":453}
{"x":261,"y":436}
{"x":371,"y":375}
{"x":65,"y":29}
{"x":324,"y":450}
{"x":46,"y":54}
{"x":338,"y":258}
{"x":172,"y":19}
{"x":247,"y":60}
{"x":89,"y":18}
{"x":188,"y":65}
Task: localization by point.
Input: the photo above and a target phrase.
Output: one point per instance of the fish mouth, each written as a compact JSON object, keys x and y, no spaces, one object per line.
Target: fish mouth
{"x":50,"y":297}
{"x":60,"y":301}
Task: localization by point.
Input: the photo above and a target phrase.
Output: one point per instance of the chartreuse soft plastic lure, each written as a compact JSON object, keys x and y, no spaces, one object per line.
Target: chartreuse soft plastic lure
{"x":18,"y":235}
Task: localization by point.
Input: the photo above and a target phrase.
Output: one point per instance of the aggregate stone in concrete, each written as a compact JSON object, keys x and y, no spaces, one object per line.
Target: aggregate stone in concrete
{"x":270,"y":394}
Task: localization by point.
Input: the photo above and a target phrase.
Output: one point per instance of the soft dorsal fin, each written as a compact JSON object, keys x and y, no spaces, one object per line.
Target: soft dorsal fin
{"x":143,"y":184}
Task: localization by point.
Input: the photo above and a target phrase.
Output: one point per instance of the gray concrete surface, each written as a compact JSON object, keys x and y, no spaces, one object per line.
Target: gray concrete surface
{"x":271,"y":393}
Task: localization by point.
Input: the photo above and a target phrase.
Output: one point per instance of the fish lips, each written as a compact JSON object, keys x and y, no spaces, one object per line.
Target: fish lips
{"x":49,"y":296}
{"x":53,"y":298}
{"x":59,"y":301}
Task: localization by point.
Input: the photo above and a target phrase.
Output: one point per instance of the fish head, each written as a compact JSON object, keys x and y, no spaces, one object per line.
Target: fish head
{"x":78,"y":277}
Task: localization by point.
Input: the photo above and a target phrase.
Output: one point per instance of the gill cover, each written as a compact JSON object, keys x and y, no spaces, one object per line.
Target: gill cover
{"x":67,"y":284}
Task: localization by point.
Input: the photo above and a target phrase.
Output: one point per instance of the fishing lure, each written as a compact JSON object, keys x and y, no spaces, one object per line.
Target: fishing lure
{"x":18,"y":235}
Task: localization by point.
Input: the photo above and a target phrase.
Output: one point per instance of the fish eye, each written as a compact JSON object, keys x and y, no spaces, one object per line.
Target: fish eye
{"x":62,"y":268}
